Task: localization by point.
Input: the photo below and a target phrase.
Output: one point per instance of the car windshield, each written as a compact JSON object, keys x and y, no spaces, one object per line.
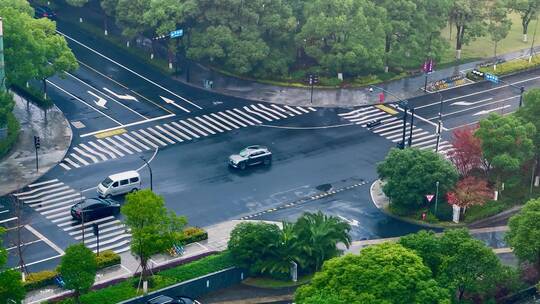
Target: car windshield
{"x":107,"y":182}
{"x":244,"y":153}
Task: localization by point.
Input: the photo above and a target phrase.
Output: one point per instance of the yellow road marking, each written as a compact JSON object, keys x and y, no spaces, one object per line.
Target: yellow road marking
{"x":110,"y":133}
{"x":386,"y":109}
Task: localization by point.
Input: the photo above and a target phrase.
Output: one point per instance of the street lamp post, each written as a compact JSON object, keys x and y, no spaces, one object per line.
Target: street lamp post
{"x":521,"y":91}
{"x":411,"y":130}
{"x":439,"y":123}
{"x":436,"y":196}
{"x":2,"y":67}
{"x":150,"y":170}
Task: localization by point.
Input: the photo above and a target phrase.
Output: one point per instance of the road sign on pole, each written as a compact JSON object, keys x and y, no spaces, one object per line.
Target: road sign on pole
{"x":177,"y":33}
{"x":491,"y":77}
{"x":429,"y":197}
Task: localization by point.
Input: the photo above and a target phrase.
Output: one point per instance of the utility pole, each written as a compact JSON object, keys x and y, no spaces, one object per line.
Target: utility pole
{"x":436,"y":196}
{"x":149,"y":169}
{"x":312,"y":79}
{"x":439,"y":123}
{"x":412,"y":124}
{"x":521,"y":91}
{"x":404,"y":127}
{"x":2,"y":63}
{"x":95,"y":227}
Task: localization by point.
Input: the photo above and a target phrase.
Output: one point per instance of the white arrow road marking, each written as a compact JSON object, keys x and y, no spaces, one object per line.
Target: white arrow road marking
{"x":124,"y":97}
{"x":351,"y":222}
{"x":101,"y":102}
{"x":467,"y":103}
{"x":170,"y":101}
{"x":490,"y":110}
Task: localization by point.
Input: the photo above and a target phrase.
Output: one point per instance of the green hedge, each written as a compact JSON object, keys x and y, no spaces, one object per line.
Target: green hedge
{"x":13,"y":129}
{"x":513,"y":66}
{"x":194,"y":234}
{"x":107,"y":258}
{"x":44,"y":278}
{"x":479,"y":212}
{"x":126,"y":290}
{"x":40,"y":279}
{"x":33,"y":95}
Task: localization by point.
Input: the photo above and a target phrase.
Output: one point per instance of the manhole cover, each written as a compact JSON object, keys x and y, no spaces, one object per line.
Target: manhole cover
{"x":324,"y":187}
{"x":77,"y":124}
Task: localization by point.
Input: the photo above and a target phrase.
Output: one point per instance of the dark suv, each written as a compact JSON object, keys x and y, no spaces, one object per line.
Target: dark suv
{"x":250,"y":156}
{"x":44,"y":12}
{"x":168,"y":300}
{"x":94,"y":208}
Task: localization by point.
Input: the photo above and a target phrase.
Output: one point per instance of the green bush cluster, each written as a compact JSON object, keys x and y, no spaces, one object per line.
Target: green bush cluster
{"x":194,"y":234}
{"x":107,"y":258}
{"x":41,"y":279}
{"x":126,"y":290}
{"x":13,"y":128}
{"x":513,"y":66}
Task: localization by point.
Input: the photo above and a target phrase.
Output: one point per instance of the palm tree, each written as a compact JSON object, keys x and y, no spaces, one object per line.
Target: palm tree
{"x":318,"y":235}
{"x":285,"y":251}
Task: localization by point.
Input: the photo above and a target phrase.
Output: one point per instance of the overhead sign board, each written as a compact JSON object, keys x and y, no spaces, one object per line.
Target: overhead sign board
{"x":177,"y":33}
{"x":491,"y":77}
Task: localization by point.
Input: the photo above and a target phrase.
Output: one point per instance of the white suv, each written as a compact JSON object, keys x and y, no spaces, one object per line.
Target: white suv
{"x":250,"y":156}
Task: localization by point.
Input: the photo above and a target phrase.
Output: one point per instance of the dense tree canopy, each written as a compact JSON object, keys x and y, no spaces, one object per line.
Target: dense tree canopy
{"x":78,"y":269}
{"x":276,"y":38}
{"x":385,"y":273}
{"x":410,"y":174}
{"x":11,"y":287}
{"x":529,"y":113}
{"x":524,"y":233}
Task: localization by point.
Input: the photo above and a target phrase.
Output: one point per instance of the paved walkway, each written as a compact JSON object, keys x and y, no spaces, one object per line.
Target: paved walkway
{"x":18,"y":168}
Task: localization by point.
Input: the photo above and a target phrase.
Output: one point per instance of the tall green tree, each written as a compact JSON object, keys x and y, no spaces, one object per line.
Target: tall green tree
{"x":78,"y":269}
{"x":129,"y":16}
{"x":506,"y":143}
{"x":318,"y":235}
{"x":11,"y":286}
{"x":527,"y":10}
{"x":499,"y":24}
{"x":410,"y":174}
{"x":529,"y":113}
{"x":384,"y":273}
{"x":524,"y":233}
{"x":468,"y":16}
{"x":6,"y":107}
{"x":344,"y":36}
{"x":154,"y":229}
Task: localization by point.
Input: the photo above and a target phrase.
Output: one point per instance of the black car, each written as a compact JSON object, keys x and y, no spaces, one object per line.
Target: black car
{"x":250,"y":156}
{"x":168,"y":300}
{"x":94,"y":208}
{"x":44,"y":12}
{"x":374,"y":123}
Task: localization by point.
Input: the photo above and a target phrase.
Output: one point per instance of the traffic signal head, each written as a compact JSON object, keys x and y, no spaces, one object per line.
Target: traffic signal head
{"x":37,"y":144}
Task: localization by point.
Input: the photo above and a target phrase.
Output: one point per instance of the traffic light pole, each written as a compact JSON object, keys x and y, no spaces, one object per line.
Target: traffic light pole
{"x":404,"y":128}
{"x":37,"y":145}
{"x":412,"y":124}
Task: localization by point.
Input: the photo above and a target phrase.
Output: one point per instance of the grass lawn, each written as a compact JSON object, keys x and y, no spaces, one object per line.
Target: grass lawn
{"x":262,"y":282}
{"x":484,"y":47}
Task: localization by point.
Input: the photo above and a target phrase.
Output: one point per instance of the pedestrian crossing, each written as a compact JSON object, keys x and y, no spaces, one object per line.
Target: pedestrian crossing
{"x":53,"y":199}
{"x":174,"y":132}
{"x":391,"y":128}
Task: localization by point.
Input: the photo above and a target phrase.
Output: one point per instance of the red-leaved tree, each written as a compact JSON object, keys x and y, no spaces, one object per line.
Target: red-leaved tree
{"x":468,"y":192}
{"x":467,"y":153}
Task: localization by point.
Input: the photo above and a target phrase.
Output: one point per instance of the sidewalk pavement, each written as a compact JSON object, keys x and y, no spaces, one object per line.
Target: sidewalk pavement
{"x":18,"y":168}
{"x":218,"y":236}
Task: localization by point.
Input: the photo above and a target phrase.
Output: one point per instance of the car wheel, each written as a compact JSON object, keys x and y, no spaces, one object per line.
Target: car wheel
{"x":267,"y":161}
{"x":242,"y":166}
{"x":134,"y":190}
{"x":108,"y":196}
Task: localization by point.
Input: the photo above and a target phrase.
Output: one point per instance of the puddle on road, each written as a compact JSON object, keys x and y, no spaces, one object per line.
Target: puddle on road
{"x":324,"y":187}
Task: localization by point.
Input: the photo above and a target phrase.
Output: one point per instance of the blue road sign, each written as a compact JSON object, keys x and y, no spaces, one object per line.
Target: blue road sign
{"x":491,"y":77}
{"x":177,"y":33}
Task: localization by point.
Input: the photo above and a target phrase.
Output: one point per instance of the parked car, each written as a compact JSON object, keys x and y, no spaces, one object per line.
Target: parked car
{"x":44,"y":12}
{"x":168,"y":300}
{"x":94,"y":208}
{"x":374,"y":123}
{"x":250,"y":156}
{"x":119,"y":183}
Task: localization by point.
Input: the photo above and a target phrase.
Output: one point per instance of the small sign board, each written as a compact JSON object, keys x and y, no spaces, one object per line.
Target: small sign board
{"x":427,"y":67}
{"x":429,"y":197}
{"x":177,"y":33}
{"x":491,"y":77}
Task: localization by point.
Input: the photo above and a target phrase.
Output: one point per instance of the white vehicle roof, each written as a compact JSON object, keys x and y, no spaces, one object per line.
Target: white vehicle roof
{"x":124,"y":175}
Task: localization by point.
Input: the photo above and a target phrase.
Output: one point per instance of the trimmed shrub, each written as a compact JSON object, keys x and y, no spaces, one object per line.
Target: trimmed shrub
{"x":40,"y":279}
{"x":13,"y":128}
{"x":194,"y":234}
{"x":513,"y":66}
{"x":107,"y":258}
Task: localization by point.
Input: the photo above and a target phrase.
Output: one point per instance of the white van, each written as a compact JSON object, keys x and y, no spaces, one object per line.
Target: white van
{"x":119,"y":183}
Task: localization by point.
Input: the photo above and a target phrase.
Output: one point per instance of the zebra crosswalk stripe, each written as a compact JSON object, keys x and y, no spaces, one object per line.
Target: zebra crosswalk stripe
{"x":79,"y":159}
{"x":242,"y":115}
{"x":111,"y":148}
{"x":121,"y":147}
{"x":293,"y":110}
{"x":126,"y":135}
{"x":195,"y":129}
{"x":127,"y":143}
{"x":304,"y":110}
{"x":178,"y":139}
{"x":255,"y":108}
{"x":100,"y":155}
{"x":200,"y":126}
{"x":158,"y":134}
{"x":220,"y":125}
{"x":173,"y":129}
{"x":282,"y":110}
{"x":185,"y":130}
{"x":236,"y":121}
{"x":223,"y":120}
{"x":72,"y":163}
{"x":149,"y":136}
{"x":144,"y":139}
{"x":91,"y":157}
{"x":112,"y":155}
{"x":272,"y":111}
{"x":256,"y":113}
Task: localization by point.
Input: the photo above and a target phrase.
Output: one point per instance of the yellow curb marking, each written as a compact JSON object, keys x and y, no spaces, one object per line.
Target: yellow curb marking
{"x":110,"y":133}
{"x":386,"y":109}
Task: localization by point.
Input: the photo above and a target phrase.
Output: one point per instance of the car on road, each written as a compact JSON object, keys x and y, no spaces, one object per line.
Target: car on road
{"x":119,"y":183}
{"x":250,"y":156}
{"x":94,"y":208}
{"x":374,"y":123}
{"x":169,"y":300}
{"x":44,"y":12}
